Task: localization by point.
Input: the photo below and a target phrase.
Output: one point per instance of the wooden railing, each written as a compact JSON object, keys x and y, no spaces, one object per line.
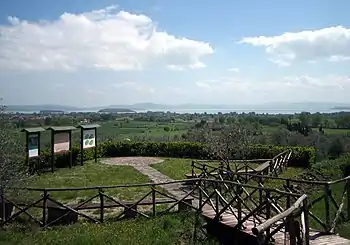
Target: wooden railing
{"x":249,"y":205}
{"x":54,"y":211}
{"x":231,"y":202}
{"x":325,"y":209}
{"x":291,"y":220}
{"x":227,"y":170}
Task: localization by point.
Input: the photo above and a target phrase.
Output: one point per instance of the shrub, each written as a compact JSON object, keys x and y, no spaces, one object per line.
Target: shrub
{"x":301,"y":157}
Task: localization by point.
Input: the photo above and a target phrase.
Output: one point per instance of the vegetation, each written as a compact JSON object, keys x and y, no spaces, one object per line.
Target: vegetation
{"x":166,"y":230}
{"x":13,"y":172}
{"x":302,"y":156}
{"x":329,"y":133}
{"x":115,"y":110}
{"x":319,"y":143}
{"x":92,"y":174}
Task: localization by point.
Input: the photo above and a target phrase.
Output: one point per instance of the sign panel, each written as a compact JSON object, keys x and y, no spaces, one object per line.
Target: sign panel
{"x":89,"y":138}
{"x":61,"y":142}
{"x":33,"y":145}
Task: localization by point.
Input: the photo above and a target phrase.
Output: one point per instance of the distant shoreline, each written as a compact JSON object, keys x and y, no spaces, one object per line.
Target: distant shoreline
{"x":199,"y":111}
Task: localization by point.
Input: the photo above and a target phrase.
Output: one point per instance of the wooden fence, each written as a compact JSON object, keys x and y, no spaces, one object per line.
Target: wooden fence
{"x":54,"y":211}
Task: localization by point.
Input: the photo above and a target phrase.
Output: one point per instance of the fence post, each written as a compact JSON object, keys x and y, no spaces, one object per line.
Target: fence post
{"x":306,"y":221}
{"x":153,"y":200}
{"x":192,"y":166}
{"x":348,"y":197}
{"x":45,"y":195}
{"x":100,"y":192}
{"x":239,"y":204}
{"x":327,"y":193}
{"x":260,"y":192}
{"x":200,"y":192}
{"x":288,"y":203}
{"x":3,"y":207}
{"x":268,"y":209}
{"x":216,"y":199}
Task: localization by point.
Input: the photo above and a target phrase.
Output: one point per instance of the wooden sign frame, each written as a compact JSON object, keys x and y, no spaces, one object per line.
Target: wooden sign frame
{"x":82,"y":129}
{"x":57,"y":130}
{"x":32,"y":132}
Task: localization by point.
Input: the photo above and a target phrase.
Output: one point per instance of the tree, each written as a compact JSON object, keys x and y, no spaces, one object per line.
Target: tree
{"x":222,"y":119}
{"x":304,"y":118}
{"x":231,"y":143}
{"x":13,"y":171}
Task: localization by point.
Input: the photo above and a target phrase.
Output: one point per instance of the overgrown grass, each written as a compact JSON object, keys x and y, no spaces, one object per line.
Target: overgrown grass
{"x":166,"y":230}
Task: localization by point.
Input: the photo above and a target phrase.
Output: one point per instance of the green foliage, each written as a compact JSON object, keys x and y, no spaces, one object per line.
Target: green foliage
{"x":164,"y":230}
{"x":301,"y":157}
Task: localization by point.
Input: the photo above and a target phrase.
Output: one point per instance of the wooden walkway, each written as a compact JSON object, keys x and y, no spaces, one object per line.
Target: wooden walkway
{"x":316,"y":238}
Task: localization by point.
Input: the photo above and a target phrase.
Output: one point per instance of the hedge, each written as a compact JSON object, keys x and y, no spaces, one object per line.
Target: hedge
{"x":301,"y":157}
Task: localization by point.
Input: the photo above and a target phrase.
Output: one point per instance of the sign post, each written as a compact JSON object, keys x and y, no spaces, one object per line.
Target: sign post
{"x":33,"y":144}
{"x":88,"y":139}
{"x":61,"y":141}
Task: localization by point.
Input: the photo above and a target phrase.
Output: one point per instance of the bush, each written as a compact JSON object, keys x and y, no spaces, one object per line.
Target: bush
{"x":301,"y":157}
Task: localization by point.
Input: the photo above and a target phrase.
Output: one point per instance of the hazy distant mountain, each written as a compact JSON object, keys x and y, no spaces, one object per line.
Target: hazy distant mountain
{"x":300,"y":106}
{"x":273,"y":105}
{"x":40,"y":108}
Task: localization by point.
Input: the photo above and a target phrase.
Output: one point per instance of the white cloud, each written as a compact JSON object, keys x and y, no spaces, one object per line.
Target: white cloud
{"x":332,"y":44}
{"x":284,"y":87}
{"x":234,"y":69}
{"x":101,"y":39}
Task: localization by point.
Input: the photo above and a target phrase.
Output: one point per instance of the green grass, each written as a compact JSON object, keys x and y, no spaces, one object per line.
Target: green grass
{"x":289,"y":173}
{"x":334,"y":131}
{"x":165,"y":230}
{"x":174,"y":168}
{"x":92,"y":174}
{"x":177,"y":168}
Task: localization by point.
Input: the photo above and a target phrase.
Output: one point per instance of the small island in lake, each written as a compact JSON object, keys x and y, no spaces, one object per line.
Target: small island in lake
{"x":347,"y":108}
{"x":115,"y":110}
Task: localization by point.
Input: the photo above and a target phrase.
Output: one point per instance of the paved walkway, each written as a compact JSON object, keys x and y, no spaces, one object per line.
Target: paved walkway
{"x":142,"y":164}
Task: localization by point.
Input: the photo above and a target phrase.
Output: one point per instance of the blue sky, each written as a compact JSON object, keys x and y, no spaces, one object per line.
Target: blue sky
{"x":102,"y":52}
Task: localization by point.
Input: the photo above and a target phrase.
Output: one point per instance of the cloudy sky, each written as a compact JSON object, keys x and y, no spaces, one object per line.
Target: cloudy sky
{"x":102,"y":52}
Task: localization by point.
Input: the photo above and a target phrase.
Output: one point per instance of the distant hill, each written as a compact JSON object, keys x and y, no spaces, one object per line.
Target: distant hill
{"x":341,"y":108}
{"x":115,"y":110}
{"x":313,"y":106}
{"x":38,"y":108}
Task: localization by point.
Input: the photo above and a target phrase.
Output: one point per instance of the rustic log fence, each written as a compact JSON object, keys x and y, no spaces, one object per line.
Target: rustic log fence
{"x":253,"y":206}
{"x":326,"y":210}
{"x":227,"y":202}
{"x":54,"y":211}
{"x":228,"y":169}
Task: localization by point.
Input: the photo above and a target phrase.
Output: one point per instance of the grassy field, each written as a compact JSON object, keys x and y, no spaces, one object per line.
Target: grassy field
{"x":119,"y":130}
{"x":169,"y":229}
{"x":92,"y":174}
{"x":334,"y":131}
{"x":172,"y":229}
{"x":178,"y":168}
{"x":166,"y":230}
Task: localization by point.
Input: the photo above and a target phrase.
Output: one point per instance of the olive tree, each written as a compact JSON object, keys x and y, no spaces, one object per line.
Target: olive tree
{"x":230,"y":142}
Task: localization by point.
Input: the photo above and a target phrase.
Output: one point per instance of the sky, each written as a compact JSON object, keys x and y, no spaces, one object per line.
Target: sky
{"x":103,"y":52}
